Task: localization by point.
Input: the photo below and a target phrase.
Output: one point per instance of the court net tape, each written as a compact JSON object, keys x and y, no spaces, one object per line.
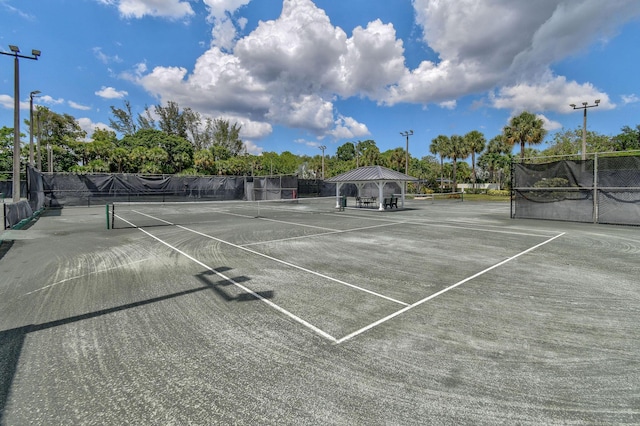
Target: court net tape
{"x":147,"y":214}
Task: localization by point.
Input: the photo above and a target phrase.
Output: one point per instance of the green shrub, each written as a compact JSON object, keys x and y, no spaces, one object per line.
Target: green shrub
{"x":498,"y":192}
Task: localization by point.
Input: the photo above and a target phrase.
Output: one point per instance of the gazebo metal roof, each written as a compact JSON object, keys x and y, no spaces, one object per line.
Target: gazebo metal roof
{"x":371,"y":174}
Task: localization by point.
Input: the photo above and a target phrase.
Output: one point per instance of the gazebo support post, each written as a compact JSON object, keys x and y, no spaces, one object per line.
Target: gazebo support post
{"x":338,"y":186}
{"x":380,"y":195}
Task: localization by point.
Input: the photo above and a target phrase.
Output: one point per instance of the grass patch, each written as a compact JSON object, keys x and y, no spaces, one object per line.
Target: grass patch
{"x":486,"y":197}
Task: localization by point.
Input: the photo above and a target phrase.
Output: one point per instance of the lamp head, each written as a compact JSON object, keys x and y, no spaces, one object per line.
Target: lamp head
{"x":585,"y":103}
{"x":35,"y":52}
{"x":35,"y":92}
{"x":597,"y":101}
{"x":573,"y":106}
{"x":14,"y":49}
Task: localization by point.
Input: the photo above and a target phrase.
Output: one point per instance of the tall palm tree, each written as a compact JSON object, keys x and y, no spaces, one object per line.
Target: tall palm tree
{"x":457,"y":149}
{"x":475,"y":141}
{"x":524,"y":128}
{"x":439,"y":146}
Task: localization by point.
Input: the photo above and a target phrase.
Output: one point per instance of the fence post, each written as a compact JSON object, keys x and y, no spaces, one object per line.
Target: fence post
{"x":595,"y":188}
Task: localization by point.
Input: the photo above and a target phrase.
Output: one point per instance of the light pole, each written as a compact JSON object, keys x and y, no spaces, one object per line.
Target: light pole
{"x":584,"y":107}
{"x":406,"y":134}
{"x":406,"y":153}
{"x":31,"y":95}
{"x":322,"y":147}
{"x":15,"y":52}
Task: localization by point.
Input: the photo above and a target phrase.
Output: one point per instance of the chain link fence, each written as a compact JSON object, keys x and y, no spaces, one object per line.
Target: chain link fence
{"x":604,"y":188}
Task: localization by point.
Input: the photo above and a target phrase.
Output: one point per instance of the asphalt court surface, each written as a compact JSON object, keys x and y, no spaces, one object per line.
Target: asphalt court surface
{"x":317,"y":266}
{"x":446,"y":311}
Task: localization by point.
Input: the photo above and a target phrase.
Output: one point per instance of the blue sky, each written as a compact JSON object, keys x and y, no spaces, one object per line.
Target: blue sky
{"x":297,"y":74}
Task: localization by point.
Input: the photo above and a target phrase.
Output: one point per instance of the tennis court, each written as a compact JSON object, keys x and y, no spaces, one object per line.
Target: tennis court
{"x":441,"y":312}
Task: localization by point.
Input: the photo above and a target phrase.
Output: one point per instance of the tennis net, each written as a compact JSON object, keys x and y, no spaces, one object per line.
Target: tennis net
{"x":148,"y":214}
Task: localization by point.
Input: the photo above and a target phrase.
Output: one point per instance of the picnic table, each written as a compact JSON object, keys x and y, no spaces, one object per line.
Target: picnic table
{"x":366,"y":201}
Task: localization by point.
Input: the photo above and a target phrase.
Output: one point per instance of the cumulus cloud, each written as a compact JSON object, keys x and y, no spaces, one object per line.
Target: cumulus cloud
{"x":479,"y":52}
{"x":90,"y":127}
{"x":111,"y":93}
{"x":630,"y":99}
{"x":549,"y":94}
{"x":171,"y":9}
{"x":348,"y":128}
{"x":291,"y":70}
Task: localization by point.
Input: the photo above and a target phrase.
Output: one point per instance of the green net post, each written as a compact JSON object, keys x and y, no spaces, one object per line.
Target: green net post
{"x":108,"y":218}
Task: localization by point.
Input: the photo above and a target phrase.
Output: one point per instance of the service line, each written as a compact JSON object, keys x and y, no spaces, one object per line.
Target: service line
{"x":240,"y":286}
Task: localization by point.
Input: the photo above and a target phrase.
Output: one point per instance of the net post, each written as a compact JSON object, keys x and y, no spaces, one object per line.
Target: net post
{"x":595,"y":188}
{"x":108,"y":218}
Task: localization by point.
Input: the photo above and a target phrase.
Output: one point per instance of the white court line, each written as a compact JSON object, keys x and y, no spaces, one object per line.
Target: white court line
{"x":413,"y":221}
{"x":240,"y":286}
{"x":278,"y":260}
{"x":295,"y":266}
{"x":426,"y":299}
{"x":319,"y":234}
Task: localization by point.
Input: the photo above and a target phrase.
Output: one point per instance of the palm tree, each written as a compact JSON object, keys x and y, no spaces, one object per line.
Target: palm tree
{"x":475,"y":141}
{"x":456,"y":149}
{"x":439,"y":146}
{"x":524,"y":128}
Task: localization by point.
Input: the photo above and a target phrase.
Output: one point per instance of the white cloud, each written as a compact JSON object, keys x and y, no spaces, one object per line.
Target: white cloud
{"x":46,"y":99}
{"x":448,"y":104}
{"x":111,"y":93}
{"x":218,"y":8}
{"x":348,"y":128}
{"x":630,"y":99}
{"x":549,"y":124}
{"x":6,"y":101}
{"x":106,"y":59}
{"x":90,"y":127}
{"x":223,"y":34}
{"x":479,"y":52}
{"x":79,"y":106}
{"x":172,"y":9}
{"x":551,"y":94}
{"x":290,"y":71}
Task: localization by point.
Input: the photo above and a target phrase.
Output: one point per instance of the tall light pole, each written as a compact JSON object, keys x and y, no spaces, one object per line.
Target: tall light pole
{"x":322,"y":147}
{"x":584,"y":107}
{"x":406,"y":134}
{"x":31,"y":95}
{"x":15,"y":52}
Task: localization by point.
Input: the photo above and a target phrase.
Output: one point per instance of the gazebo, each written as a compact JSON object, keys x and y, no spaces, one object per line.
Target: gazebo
{"x":371,"y":174}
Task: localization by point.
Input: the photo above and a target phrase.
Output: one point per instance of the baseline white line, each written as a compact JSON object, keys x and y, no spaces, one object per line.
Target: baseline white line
{"x":240,"y":286}
{"x":295,"y":266}
{"x":426,"y":299}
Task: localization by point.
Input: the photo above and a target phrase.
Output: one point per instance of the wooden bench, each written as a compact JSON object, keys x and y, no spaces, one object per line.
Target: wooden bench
{"x":391,"y":202}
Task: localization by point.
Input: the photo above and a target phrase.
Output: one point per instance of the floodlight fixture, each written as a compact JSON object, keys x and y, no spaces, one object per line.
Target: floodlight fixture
{"x":584,"y":107}
{"x":15,"y":52}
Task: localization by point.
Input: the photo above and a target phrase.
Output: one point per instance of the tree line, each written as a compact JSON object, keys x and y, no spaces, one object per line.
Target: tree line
{"x":170,"y":140}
